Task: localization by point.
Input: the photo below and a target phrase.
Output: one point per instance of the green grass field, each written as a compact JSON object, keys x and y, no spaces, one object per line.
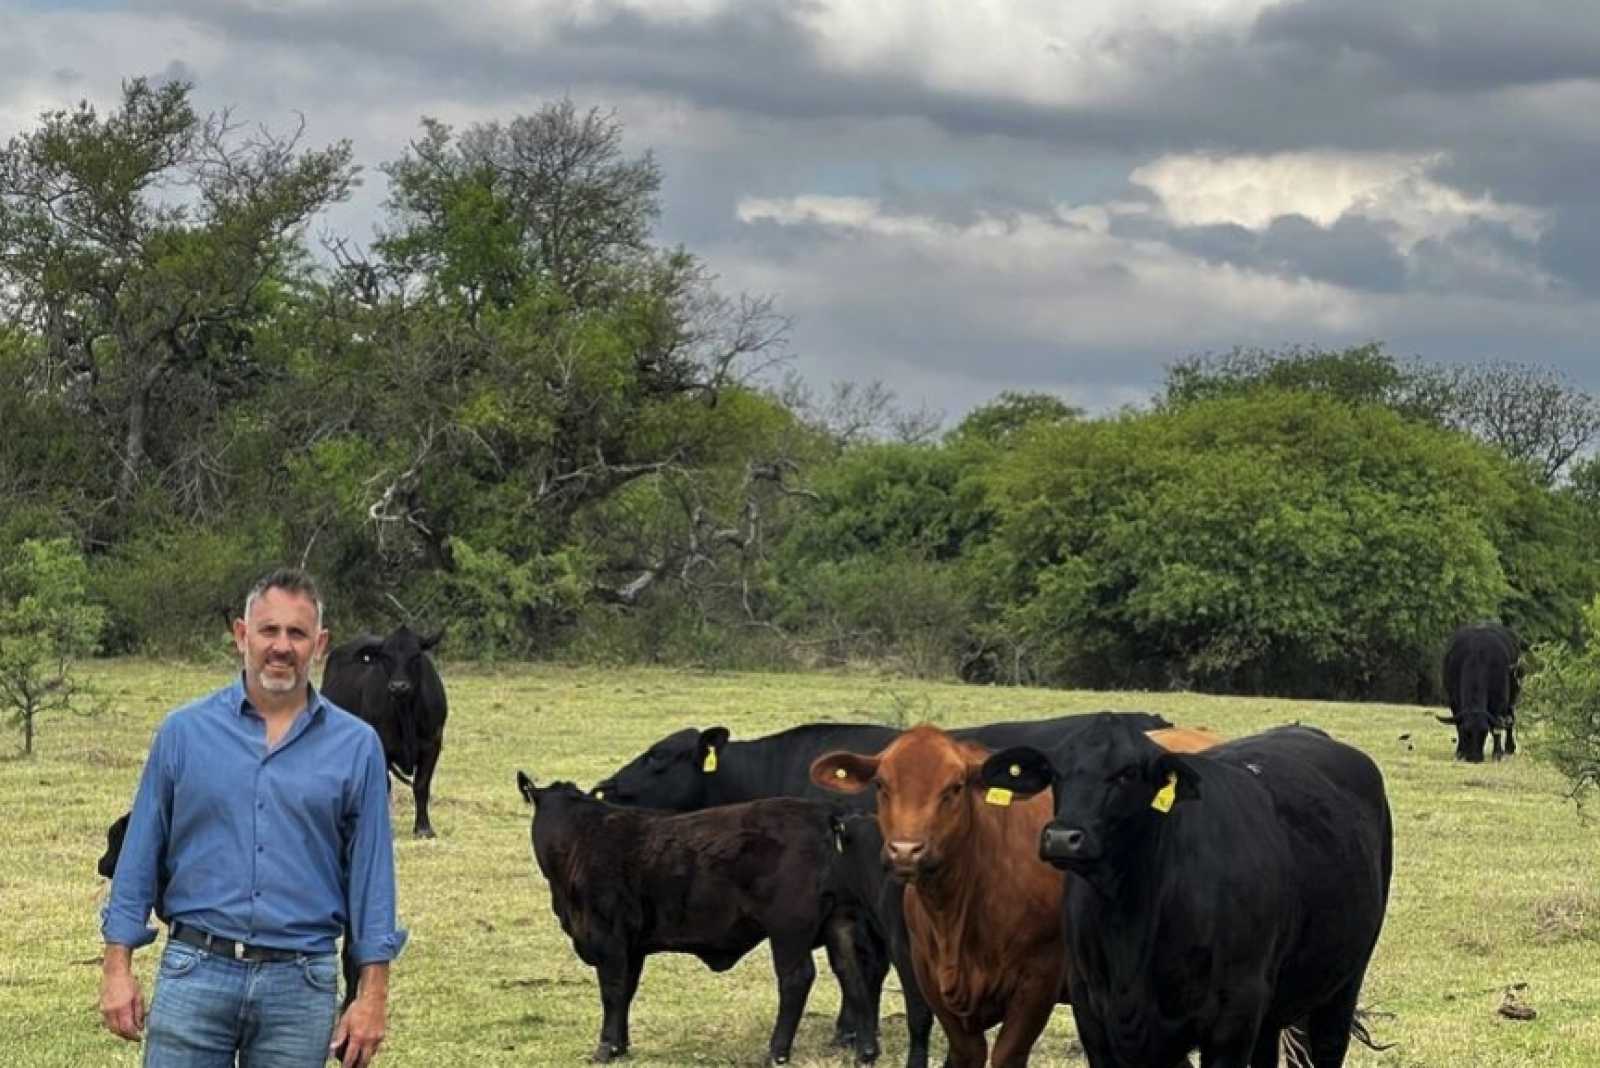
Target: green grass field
{"x":1495,"y":880}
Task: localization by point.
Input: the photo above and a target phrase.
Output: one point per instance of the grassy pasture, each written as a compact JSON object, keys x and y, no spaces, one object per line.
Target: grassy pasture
{"x":1495,"y":883}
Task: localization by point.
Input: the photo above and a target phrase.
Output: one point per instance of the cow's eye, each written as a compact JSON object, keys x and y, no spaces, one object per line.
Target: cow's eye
{"x":1128,"y":774}
{"x":952,"y":790}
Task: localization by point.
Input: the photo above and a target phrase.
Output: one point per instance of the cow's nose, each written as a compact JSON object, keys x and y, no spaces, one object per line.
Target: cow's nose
{"x":903,"y":853}
{"x":1061,"y":843}
{"x":399,"y":688}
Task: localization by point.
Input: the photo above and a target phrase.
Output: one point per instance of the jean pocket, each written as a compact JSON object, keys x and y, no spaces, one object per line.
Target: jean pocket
{"x":178,"y":960}
{"x":321,"y":973}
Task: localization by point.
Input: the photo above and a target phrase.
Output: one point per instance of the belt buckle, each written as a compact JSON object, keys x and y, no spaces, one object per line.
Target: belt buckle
{"x":238,"y":950}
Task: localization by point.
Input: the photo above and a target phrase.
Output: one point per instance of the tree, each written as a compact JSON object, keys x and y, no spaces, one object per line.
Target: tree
{"x":1011,"y":412}
{"x":142,"y":248}
{"x":513,"y":356}
{"x":1533,"y":414}
{"x":45,"y":624}
{"x":1562,"y":696}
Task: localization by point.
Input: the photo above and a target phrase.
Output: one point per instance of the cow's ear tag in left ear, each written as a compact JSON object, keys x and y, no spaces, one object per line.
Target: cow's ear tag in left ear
{"x":997,"y":795}
{"x":1162,"y":802}
{"x":711,"y":761}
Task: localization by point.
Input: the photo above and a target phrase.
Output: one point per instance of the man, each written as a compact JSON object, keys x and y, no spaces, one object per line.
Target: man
{"x":261,"y":824}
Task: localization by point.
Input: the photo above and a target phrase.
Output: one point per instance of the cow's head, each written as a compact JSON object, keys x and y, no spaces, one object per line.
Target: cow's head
{"x":926,"y":802}
{"x":1472,"y":731}
{"x":400,"y":657}
{"x":1110,"y":784}
{"x":673,"y":774}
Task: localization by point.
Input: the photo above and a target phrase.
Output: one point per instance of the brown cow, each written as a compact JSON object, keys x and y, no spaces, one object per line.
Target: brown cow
{"x":983,"y":915}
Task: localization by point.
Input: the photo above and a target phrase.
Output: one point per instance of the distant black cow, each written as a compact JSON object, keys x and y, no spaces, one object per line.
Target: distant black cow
{"x":858,"y":839}
{"x":697,"y":769}
{"x":1480,"y":676}
{"x":1214,"y":898}
{"x":391,"y":683}
{"x":626,"y":883}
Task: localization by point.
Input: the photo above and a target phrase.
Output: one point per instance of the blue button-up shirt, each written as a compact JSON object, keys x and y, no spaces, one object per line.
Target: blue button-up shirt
{"x":278,"y":848}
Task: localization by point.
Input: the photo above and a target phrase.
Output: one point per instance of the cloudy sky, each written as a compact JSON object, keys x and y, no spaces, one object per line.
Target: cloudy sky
{"x":960,"y":198}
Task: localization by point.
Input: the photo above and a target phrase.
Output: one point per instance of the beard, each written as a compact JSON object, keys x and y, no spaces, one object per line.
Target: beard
{"x":279,"y":683}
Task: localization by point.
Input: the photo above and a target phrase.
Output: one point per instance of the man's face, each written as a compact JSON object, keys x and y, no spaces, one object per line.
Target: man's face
{"x":279,"y":641}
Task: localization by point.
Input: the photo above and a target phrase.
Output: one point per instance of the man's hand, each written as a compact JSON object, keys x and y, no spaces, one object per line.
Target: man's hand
{"x":121,"y":1003}
{"x":361,"y":1030}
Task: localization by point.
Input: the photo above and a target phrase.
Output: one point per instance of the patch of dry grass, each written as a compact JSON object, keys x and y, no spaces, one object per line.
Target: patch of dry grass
{"x":1494,"y":882}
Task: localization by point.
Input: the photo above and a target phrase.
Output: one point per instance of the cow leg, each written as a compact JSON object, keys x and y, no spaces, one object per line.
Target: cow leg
{"x":1092,"y":1037}
{"x":1499,"y":753}
{"x":919,"y":1018}
{"x":791,"y":959}
{"x":859,"y":962}
{"x":1328,"y":1027}
{"x":422,"y":787}
{"x":968,"y":1049}
{"x":1268,"y":1045}
{"x":1024,"y":1023}
{"x":1511,"y":736}
{"x":619,"y":971}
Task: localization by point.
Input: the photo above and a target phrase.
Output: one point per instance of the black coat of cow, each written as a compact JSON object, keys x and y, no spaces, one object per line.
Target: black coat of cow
{"x":860,"y":843}
{"x":696,"y":769}
{"x":392,"y":684}
{"x":1216,"y":898}
{"x":1480,"y":677}
{"x":626,"y":883}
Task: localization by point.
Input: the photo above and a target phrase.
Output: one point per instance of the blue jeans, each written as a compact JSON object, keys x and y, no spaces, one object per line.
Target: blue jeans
{"x":207,"y":1008}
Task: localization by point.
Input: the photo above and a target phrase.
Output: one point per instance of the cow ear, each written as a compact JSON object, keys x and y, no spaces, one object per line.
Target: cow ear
{"x":709,"y":747}
{"x":525,"y":784}
{"x":431,"y":640}
{"x":844,"y":773}
{"x":1021,"y":769}
{"x":1180,"y":774}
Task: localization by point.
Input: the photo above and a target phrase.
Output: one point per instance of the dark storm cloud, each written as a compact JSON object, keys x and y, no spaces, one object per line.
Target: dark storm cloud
{"x":1355,"y":252}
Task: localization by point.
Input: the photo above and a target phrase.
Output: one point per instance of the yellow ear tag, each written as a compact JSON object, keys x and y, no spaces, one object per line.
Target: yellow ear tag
{"x":711,"y":761}
{"x":997,"y":796}
{"x":1162,"y":802}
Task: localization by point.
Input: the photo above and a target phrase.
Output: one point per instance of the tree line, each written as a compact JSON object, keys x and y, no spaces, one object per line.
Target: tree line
{"x":514,"y":414}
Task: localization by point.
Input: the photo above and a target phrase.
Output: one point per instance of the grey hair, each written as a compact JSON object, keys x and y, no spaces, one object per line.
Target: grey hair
{"x":290,"y":580}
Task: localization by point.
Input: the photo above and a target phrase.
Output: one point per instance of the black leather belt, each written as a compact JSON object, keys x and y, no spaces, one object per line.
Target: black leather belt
{"x":227,"y":947}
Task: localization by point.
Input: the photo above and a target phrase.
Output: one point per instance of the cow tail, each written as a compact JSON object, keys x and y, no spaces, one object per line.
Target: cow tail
{"x":1358,"y":1031}
{"x":394,"y":769}
{"x":1296,"y":1054}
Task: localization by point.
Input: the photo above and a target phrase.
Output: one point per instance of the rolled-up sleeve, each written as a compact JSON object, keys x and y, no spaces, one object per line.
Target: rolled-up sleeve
{"x":135,"y":885}
{"x":370,"y":896}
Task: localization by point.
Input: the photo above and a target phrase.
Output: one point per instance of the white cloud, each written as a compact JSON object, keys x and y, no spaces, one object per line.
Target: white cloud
{"x":1252,"y":190}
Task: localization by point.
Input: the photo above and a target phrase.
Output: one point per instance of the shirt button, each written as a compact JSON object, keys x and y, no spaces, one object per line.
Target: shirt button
{"x":258,"y":893}
{"x":260,"y":849}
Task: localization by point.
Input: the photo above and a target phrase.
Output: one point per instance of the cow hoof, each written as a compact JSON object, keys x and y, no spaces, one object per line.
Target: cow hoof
{"x":868,"y":1055}
{"x":423,"y":832}
{"x":778,"y":1058}
{"x":606,"y":1053}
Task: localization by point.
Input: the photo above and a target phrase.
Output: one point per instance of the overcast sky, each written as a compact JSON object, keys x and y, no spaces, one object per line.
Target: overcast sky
{"x":963,"y":197}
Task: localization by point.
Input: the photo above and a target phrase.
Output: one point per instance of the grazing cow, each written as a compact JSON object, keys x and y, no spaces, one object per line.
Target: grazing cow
{"x":1480,"y":676}
{"x":982,"y":919}
{"x":696,"y":769}
{"x":626,"y":883}
{"x":107,"y":867}
{"x":1214,"y":898}
{"x":391,"y":683}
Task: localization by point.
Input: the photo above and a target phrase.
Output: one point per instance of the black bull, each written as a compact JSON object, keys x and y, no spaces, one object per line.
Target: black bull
{"x":392,"y":684}
{"x":1480,"y":678}
{"x":698,"y":769}
{"x":1215,"y":899}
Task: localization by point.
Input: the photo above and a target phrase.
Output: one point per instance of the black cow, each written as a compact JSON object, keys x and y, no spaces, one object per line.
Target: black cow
{"x":107,"y":864}
{"x":857,"y":838}
{"x":391,"y":683}
{"x":697,"y":769}
{"x":1480,"y":676}
{"x":1216,"y":898}
{"x":626,"y":883}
